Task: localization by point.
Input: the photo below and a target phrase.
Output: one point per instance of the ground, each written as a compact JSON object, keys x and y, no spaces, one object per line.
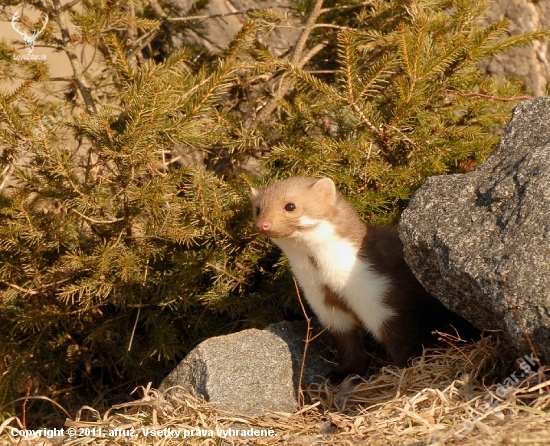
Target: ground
{"x":463,"y":395}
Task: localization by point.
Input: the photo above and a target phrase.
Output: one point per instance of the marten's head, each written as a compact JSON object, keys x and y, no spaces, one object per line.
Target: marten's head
{"x":292,"y":206}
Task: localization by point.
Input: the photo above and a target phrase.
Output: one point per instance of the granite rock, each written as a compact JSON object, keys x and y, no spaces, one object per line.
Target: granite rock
{"x":480,"y":242}
{"x":252,"y":371}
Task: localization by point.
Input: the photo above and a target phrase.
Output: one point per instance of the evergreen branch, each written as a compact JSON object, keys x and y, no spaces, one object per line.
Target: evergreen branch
{"x":404,"y":136}
{"x":308,"y":83}
{"x":220,"y":229}
{"x":216,"y":16}
{"x":225,"y":272}
{"x":162,"y":16}
{"x":312,"y":52}
{"x":367,"y":121}
{"x":333,"y":26}
{"x":460,"y":20}
{"x":418,"y":30}
{"x":249,"y":10}
{"x":120,"y":60}
{"x":295,"y":59}
{"x":132,"y":42}
{"x":345,"y":50}
{"x":304,"y":35}
{"x":438,"y":65}
{"x":132,"y":30}
{"x":403,"y":50}
{"x":286,"y":86}
{"x":99,"y":222}
{"x":370,"y":84}
{"x":345,"y":7}
{"x":483,"y":36}
{"x":491,"y":97}
{"x":514,"y":41}
{"x":217,"y":82}
{"x":238,"y":42}
{"x":70,"y":50}
{"x":142,"y":42}
{"x":69,"y":5}
{"x":469,"y":13}
{"x":67,"y":175}
{"x":18,"y":288}
{"x":19,"y":91}
{"x":40,"y":289}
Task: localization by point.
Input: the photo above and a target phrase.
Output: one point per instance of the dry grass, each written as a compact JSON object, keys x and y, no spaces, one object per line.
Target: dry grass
{"x":441,"y":399}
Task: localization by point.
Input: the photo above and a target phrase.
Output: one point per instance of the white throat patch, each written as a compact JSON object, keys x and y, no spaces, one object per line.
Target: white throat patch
{"x":336,"y":265}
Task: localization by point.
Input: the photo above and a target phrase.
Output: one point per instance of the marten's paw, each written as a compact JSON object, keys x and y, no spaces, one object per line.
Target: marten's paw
{"x":354,"y":360}
{"x":335,"y":377}
{"x":341,"y":372}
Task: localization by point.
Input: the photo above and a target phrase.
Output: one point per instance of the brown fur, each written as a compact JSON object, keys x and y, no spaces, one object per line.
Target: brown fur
{"x":417,"y":312}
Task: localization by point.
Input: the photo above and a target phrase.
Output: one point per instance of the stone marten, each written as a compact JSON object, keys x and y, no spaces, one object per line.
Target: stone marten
{"x":353,"y":276}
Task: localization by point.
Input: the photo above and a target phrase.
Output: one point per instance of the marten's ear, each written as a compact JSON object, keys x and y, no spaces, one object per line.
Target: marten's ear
{"x":326,"y":189}
{"x":254,"y":193}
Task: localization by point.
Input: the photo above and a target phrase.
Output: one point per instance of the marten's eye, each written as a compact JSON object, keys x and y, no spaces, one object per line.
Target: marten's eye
{"x":290,"y":207}
{"x":258,"y":210}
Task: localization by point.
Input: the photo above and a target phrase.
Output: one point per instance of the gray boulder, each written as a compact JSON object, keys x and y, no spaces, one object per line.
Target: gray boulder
{"x":252,"y":371}
{"x":469,"y":238}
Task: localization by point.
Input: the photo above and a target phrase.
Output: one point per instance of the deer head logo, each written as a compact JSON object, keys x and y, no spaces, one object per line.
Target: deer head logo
{"x":28,"y":39}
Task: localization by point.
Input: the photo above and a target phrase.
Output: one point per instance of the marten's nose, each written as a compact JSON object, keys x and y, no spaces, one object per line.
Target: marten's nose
{"x":263,"y":226}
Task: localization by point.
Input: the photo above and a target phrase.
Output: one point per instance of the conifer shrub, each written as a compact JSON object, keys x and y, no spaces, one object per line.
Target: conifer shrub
{"x":117,"y":257}
{"x":405,"y":100}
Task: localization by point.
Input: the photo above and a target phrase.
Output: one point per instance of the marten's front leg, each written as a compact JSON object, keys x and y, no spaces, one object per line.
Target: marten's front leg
{"x":352,"y":357}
